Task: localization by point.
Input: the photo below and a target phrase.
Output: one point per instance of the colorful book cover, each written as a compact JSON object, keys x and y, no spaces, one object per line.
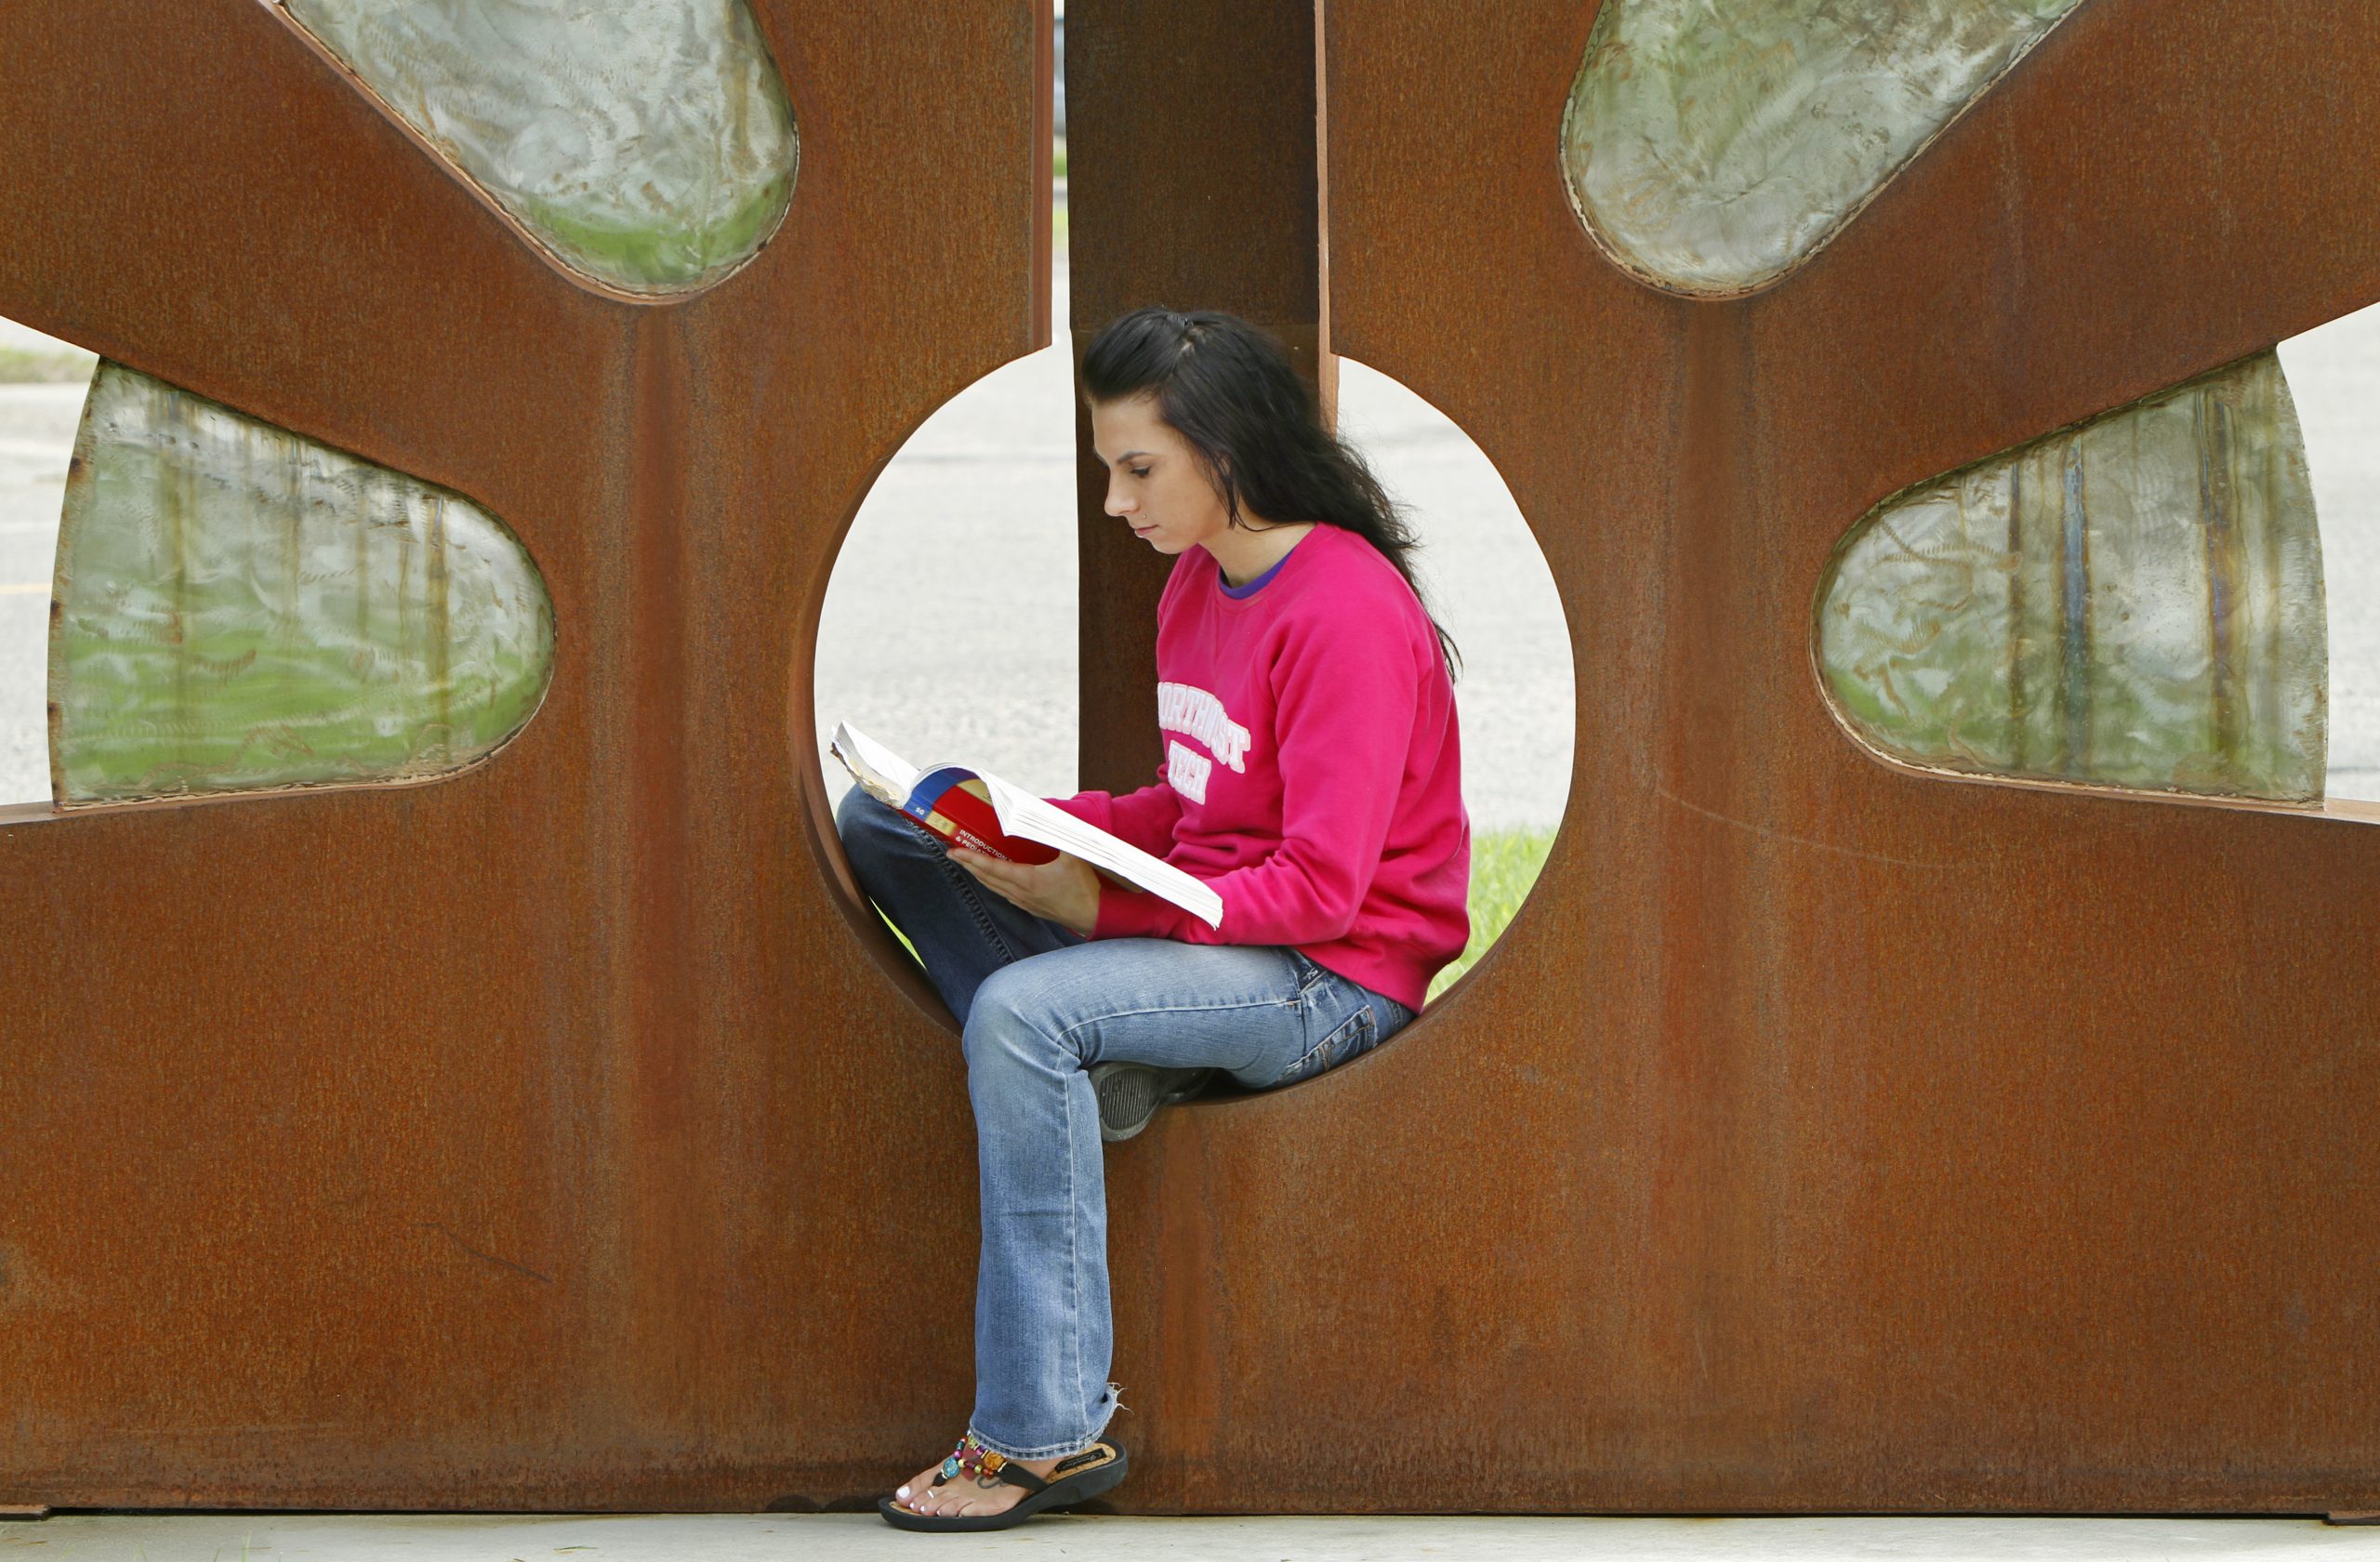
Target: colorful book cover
{"x":958,"y":808}
{"x":964,"y":807}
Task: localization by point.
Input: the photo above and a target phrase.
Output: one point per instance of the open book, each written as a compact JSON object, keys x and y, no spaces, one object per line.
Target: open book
{"x":979,"y":811}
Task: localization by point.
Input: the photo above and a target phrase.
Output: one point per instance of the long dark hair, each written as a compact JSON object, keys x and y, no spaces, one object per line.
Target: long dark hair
{"x":1228,"y":389}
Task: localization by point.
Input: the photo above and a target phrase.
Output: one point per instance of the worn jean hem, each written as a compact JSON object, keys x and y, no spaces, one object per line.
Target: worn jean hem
{"x":1056,"y":1450}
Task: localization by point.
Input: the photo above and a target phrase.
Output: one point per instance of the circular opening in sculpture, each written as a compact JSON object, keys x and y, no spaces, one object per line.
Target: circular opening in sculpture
{"x":952,"y":634}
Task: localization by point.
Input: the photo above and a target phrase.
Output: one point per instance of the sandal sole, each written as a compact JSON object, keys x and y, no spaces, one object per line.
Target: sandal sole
{"x":1080,"y":1486}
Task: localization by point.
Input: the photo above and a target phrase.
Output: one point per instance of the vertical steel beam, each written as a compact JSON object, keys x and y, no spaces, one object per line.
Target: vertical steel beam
{"x":1191,"y":183}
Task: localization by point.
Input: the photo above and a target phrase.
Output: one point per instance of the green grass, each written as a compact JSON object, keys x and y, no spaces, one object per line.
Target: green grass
{"x":899,"y":934}
{"x":22,"y":366}
{"x":1504,"y":866}
{"x":1058,"y":223}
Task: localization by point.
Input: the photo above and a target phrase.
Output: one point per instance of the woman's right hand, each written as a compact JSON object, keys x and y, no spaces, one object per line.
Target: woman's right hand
{"x":1064,"y":889}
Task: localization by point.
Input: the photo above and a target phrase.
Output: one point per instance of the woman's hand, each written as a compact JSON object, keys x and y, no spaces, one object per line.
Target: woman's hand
{"x":1066,"y":890}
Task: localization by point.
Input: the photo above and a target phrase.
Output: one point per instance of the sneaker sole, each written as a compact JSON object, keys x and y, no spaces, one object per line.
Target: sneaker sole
{"x":1129,"y":1094}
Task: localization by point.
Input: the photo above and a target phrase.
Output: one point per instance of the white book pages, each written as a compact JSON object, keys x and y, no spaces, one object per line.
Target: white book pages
{"x":1025,"y":814}
{"x":868,"y":760}
{"x":890,"y":779}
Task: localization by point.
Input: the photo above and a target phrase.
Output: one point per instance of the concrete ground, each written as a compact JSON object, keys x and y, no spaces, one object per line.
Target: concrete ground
{"x":865,"y":1537}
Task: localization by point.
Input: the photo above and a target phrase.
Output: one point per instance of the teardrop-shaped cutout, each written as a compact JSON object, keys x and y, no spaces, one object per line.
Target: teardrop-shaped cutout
{"x":240,"y":608}
{"x":1713,"y":148}
{"x":2136,"y":601}
{"x":647,"y":143}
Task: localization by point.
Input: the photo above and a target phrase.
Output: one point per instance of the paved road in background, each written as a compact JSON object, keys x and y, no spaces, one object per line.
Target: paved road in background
{"x":949,"y":627}
{"x":2334,"y":373}
{"x":36,"y":436}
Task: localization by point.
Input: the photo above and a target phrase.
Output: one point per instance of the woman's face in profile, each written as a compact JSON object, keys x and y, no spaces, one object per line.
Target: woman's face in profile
{"x":1156,"y":482}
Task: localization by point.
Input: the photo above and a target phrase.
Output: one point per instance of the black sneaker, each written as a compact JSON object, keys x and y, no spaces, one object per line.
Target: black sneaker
{"x":1129,"y":1093}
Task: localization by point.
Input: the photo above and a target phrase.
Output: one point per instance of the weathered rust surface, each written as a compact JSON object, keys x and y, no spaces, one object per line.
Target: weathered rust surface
{"x":543,"y":1138}
{"x":1820,"y":1137}
{"x":1190,"y":164}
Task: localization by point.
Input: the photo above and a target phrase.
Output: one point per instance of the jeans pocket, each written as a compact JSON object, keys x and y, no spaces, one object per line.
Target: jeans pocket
{"x":1354,"y":1036}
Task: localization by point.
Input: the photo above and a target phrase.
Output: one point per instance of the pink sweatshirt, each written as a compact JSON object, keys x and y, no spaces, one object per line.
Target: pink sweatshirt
{"x":1313,"y":773}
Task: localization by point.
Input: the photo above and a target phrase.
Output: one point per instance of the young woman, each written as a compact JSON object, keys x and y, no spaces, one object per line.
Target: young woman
{"x":1312,"y":775}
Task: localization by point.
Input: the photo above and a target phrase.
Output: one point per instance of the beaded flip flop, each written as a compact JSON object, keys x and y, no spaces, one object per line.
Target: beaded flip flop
{"x":1078,"y":1478}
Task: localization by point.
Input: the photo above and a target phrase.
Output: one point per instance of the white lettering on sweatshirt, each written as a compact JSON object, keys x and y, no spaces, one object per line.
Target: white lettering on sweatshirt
{"x":1187,"y":771}
{"x":1185,"y":708}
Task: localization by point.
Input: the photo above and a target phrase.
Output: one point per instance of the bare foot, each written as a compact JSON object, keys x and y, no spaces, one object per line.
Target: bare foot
{"x":967,"y":1496}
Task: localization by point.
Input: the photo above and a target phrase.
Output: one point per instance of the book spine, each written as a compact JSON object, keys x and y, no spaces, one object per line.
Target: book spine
{"x":963,"y":814}
{"x":959,"y":835}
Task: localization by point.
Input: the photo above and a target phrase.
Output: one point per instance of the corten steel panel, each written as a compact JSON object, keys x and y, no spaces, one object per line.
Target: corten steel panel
{"x":541,"y":1138}
{"x":1821,"y":1135}
{"x":1190,"y":164}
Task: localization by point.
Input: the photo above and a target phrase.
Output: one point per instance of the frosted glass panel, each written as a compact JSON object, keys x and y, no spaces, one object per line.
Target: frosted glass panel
{"x":242,"y":608}
{"x":1711,"y":147}
{"x":647,"y":142}
{"x":2135,"y":602}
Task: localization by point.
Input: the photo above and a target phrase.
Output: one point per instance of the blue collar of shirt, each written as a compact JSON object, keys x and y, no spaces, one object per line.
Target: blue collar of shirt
{"x":1257,"y":584}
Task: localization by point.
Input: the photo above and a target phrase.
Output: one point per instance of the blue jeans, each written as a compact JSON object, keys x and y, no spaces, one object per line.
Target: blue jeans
{"x":1039,"y":1005}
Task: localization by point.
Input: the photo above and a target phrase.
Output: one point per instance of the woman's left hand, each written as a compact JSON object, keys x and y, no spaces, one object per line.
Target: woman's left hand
{"x":1066,"y":890}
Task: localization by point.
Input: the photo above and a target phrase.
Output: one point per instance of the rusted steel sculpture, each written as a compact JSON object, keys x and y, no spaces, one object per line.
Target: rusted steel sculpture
{"x":529,"y":1138}
{"x":1824,"y":1134}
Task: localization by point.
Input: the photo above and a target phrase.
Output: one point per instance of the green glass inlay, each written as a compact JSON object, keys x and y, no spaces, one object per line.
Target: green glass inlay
{"x":648,"y":143}
{"x":242,"y":608}
{"x":2137,"y":602}
{"x":1712,"y":147}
